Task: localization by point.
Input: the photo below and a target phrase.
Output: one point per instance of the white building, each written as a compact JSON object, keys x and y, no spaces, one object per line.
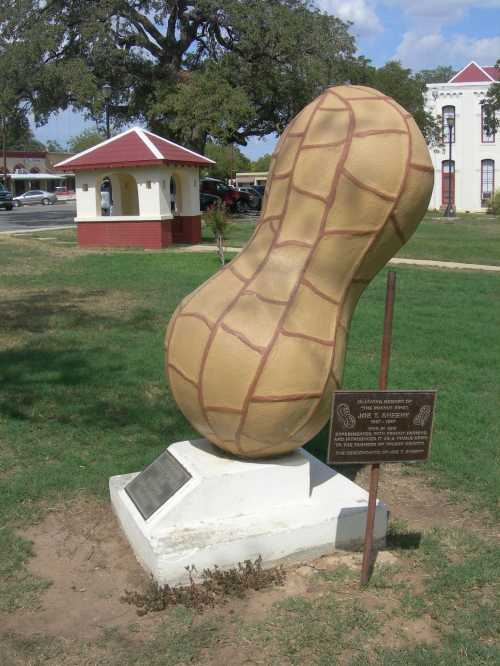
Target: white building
{"x":473,"y":174}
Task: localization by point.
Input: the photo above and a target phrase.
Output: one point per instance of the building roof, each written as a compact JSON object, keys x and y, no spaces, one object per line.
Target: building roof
{"x":26,"y":153}
{"x":39,"y":176}
{"x":134,"y":147}
{"x":474,"y":73}
{"x":494,"y":72}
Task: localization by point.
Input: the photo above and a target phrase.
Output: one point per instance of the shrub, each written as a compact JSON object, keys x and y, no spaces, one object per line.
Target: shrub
{"x":216,"y":219}
{"x":494,"y":204}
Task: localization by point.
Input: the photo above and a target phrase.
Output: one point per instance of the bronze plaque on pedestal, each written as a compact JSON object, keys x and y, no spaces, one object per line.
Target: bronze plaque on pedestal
{"x":369,"y":427}
{"x":150,"y":489}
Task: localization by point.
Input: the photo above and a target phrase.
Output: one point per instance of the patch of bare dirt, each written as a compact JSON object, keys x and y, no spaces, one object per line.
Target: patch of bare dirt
{"x":412,"y":498}
{"x":81,"y":550}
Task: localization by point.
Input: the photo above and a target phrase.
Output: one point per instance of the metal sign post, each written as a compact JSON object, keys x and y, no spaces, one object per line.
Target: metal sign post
{"x":380,"y":426}
{"x":382,"y":384}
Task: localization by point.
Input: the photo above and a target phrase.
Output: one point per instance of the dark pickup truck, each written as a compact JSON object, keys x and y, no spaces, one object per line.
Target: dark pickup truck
{"x":237,"y":202}
{"x":5,"y":199}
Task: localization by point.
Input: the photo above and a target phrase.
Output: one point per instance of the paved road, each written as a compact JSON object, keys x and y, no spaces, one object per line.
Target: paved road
{"x":36,"y":217}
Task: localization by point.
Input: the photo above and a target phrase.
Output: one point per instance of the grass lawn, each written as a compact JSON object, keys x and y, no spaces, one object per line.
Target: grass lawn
{"x":470,"y":238}
{"x":83,"y":397}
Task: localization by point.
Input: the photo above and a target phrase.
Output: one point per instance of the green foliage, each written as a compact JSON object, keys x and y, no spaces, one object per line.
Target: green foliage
{"x":216,"y":220}
{"x":18,"y":133}
{"x":229,"y":159}
{"x":54,"y":146}
{"x":261,"y":163}
{"x":15,"y":130}
{"x":194,"y":70}
{"x":86,"y":139}
{"x":494,"y":206}
{"x":205,"y":105}
{"x":27,"y":47}
{"x":441,"y":74}
{"x":402,"y":85}
{"x":408,"y":90}
{"x":492,"y":104}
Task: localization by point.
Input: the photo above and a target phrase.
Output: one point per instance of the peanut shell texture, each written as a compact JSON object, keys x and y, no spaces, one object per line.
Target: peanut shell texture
{"x":253,"y":354}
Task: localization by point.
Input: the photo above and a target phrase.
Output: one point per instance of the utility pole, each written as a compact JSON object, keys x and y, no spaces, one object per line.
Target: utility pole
{"x":4,"y":150}
{"x":232,"y":165}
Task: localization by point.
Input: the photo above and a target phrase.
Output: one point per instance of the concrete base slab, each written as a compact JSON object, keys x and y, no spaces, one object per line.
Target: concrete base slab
{"x":231,"y":510}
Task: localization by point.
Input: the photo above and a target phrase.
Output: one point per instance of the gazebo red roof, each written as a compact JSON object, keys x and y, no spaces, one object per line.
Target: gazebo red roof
{"x":135,"y":147}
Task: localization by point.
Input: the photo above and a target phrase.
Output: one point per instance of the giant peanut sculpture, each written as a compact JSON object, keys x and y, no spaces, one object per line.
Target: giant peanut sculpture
{"x":254,"y":354}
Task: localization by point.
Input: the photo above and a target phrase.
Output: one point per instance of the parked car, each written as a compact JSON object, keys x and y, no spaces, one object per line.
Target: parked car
{"x":260,"y":189}
{"x":5,"y":199}
{"x":255,"y":197}
{"x":208,"y":200}
{"x":234,"y":200}
{"x":35,"y":197}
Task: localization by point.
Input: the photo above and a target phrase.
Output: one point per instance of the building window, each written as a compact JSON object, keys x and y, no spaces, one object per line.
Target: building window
{"x":448,"y":183}
{"x":448,"y":112}
{"x":487,"y":136}
{"x":487,"y":181}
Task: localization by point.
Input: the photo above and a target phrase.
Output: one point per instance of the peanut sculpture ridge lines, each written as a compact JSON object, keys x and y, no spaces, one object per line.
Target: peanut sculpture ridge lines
{"x":255,"y":352}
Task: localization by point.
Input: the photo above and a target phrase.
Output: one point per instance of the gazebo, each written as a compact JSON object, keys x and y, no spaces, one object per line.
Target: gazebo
{"x":137,"y":189}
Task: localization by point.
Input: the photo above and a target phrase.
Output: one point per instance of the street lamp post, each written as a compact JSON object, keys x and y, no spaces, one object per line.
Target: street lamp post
{"x":107,"y":90}
{"x":449,"y":212}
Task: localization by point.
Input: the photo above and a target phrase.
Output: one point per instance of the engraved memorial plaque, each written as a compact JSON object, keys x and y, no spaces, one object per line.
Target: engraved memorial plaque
{"x":370,"y":427}
{"x":150,"y":489}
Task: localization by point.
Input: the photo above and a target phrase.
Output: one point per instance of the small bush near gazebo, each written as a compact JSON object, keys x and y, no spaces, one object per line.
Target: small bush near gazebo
{"x":494,"y":205}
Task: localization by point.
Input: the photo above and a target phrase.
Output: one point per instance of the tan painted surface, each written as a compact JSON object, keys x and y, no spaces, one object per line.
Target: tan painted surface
{"x":254,"y":368}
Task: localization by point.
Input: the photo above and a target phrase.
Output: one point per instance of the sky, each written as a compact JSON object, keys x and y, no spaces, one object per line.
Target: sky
{"x":421,"y":34}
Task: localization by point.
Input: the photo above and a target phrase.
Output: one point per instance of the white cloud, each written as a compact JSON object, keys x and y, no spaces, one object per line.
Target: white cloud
{"x":361,"y":13}
{"x":422,"y":51}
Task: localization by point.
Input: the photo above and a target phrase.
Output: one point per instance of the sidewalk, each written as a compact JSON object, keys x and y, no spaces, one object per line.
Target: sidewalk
{"x":429,"y":263}
{"x":34,"y":230}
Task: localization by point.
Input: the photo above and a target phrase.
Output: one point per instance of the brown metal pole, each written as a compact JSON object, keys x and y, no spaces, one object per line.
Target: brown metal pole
{"x":382,"y":384}
{"x":387,"y":337}
{"x":4,"y":150}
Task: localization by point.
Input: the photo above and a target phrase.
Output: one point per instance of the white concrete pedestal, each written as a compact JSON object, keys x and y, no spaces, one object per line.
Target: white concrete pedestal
{"x":291,"y":507}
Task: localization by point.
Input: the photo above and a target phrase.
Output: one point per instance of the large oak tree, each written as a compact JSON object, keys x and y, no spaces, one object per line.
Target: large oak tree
{"x":196,"y":70}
